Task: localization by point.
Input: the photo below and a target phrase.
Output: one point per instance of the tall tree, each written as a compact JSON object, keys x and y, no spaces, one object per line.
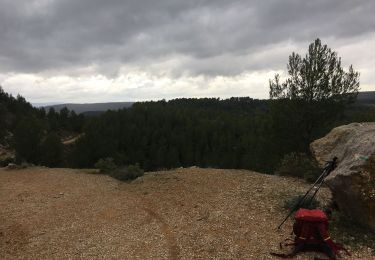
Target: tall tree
{"x":317,"y":77}
{"x":27,"y":139}
{"x":51,"y":150}
{"x":53,"y":119}
{"x":314,"y":95}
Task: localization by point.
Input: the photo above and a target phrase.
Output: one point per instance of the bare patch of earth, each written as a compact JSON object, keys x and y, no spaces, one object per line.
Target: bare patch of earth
{"x":180,"y":214}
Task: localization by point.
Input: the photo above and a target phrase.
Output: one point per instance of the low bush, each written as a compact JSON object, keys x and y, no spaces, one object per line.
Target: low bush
{"x":291,"y":202}
{"x":5,"y":161}
{"x":127,"y":173}
{"x":106,"y":165}
{"x":299,"y":165}
{"x":20,"y":166}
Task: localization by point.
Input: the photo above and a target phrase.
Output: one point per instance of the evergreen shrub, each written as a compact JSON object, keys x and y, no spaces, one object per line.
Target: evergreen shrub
{"x":130,"y":172}
{"x":106,"y":165}
{"x":299,"y":165}
{"x":291,"y":202}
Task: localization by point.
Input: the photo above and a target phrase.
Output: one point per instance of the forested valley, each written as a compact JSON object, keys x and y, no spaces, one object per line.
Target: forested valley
{"x":240,"y":133}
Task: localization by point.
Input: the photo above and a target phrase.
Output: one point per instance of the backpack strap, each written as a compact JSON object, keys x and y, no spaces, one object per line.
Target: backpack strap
{"x":285,"y":243}
{"x":296,"y":250}
{"x":304,"y":234}
{"x":336,"y":247}
{"x":323,"y":231}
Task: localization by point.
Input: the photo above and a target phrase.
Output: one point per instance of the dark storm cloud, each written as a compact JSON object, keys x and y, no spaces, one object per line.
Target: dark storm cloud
{"x":211,"y":36}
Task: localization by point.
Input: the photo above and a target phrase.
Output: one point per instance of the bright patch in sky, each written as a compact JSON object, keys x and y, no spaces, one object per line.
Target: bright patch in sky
{"x":135,"y":86}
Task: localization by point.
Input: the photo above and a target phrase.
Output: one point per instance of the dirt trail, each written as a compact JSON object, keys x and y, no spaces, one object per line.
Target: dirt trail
{"x":168,"y":234}
{"x":182,"y":214}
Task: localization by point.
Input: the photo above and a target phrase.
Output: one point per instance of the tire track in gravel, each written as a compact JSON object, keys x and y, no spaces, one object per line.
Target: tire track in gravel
{"x":148,"y":206}
{"x":173,"y":249}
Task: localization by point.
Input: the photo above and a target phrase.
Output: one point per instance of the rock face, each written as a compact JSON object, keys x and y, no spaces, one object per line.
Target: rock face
{"x":353,"y":181}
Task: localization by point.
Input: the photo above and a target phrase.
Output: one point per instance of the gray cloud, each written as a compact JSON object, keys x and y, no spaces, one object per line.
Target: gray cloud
{"x":214,"y":37}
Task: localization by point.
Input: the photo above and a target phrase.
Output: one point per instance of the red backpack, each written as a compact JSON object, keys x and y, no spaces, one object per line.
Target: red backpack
{"x":311,"y":234}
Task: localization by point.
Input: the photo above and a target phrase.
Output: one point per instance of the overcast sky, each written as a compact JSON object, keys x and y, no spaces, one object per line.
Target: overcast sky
{"x":121,"y":50}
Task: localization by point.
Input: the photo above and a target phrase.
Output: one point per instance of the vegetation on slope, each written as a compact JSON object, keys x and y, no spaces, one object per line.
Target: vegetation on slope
{"x":231,"y":133}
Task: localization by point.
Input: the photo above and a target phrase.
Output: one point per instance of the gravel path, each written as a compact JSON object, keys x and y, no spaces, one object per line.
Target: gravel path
{"x":181,"y":214}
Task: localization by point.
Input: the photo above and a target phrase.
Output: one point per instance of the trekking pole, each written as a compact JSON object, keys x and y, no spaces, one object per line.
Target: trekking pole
{"x":301,"y":200}
{"x":316,"y":191}
{"x":330,"y":166}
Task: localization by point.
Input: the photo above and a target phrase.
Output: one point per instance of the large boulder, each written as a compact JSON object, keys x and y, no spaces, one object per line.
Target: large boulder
{"x":353,"y":181}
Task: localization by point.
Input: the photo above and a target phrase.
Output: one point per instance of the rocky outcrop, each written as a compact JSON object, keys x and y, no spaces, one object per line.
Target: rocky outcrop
{"x":353,"y":181}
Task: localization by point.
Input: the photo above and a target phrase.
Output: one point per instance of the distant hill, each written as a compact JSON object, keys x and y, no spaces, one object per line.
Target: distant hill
{"x":37,"y":105}
{"x":92,"y":107}
{"x":366,"y":98}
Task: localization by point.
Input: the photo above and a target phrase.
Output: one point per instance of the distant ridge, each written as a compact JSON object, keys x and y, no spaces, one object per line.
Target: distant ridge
{"x":92,"y":107}
{"x":366,"y":98}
